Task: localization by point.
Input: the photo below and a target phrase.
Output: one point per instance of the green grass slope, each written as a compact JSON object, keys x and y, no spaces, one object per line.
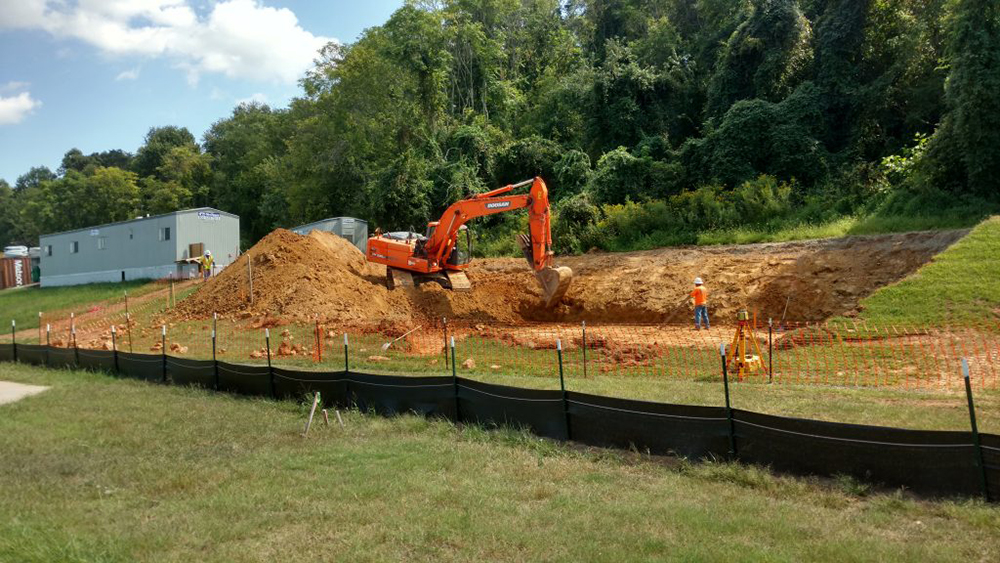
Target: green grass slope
{"x":961,"y":285}
{"x":23,"y":305}
{"x":144,"y":472}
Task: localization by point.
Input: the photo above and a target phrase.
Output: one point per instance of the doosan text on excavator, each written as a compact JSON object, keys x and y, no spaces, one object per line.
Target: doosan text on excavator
{"x":442,"y":255}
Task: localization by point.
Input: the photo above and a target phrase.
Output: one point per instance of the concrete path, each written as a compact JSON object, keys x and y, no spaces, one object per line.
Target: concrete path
{"x":10,"y":391}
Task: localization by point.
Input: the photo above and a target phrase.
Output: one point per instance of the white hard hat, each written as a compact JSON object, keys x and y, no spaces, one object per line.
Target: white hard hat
{"x":208,"y":253}
{"x":697,"y":281}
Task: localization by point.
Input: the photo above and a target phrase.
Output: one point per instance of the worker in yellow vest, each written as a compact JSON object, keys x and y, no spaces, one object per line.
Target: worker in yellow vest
{"x":206,"y":263}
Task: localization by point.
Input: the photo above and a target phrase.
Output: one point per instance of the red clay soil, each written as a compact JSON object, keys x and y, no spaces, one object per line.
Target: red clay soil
{"x":322,"y":276}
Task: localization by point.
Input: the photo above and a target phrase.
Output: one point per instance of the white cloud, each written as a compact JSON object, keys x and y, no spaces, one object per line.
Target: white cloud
{"x":236,"y":38}
{"x":130,"y":74}
{"x":15,"y":108}
{"x":255,"y":97}
{"x":14,"y":86}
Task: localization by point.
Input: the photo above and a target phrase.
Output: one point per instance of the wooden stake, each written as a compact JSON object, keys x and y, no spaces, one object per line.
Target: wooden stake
{"x":340,"y":420}
{"x":326,"y":417}
{"x":250,"y":276}
{"x":312,"y":412}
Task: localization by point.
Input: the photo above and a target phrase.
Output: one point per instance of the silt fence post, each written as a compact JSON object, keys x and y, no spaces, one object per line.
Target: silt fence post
{"x":975,"y":431}
{"x":444,"y":323}
{"x":114,"y":346}
{"x":215,"y":362}
{"x":562,"y":387}
{"x":454,"y":381}
{"x":270,"y":370}
{"x":729,"y":410}
{"x":583,"y":326}
{"x":163,"y":349}
{"x":347,"y":363}
{"x":770,"y":350}
{"x":13,"y":339}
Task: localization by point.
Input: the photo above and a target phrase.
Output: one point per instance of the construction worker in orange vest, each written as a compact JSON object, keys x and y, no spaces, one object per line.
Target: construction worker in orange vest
{"x":700,"y":296}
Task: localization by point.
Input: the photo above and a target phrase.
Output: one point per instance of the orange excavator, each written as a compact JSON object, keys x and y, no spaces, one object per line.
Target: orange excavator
{"x":444,"y":253}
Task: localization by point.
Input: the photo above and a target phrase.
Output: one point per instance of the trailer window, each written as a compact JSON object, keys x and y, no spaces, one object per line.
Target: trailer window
{"x":102,"y":243}
{"x":48,"y":250}
{"x":74,"y":247}
{"x":165,"y":233}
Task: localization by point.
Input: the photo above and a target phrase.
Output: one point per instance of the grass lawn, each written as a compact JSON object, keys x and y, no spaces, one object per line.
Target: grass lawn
{"x":99,"y":469}
{"x":960,"y":285}
{"x":23,"y":305}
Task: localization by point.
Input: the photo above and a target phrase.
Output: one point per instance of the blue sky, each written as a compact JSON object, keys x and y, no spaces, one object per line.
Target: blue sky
{"x":97,"y":74}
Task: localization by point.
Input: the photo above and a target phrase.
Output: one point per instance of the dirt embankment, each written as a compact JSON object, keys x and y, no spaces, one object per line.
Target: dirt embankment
{"x":323,"y":276}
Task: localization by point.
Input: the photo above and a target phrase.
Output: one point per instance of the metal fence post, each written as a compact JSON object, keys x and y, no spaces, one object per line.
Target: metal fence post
{"x":444,"y":323}
{"x":975,"y":431}
{"x":770,"y":349}
{"x":562,"y":387}
{"x":128,"y":322}
{"x":39,"y":328}
{"x":114,"y":346}
{"x":215,"y":362}
{"x":347,"y":363}
{"x":729,"y":410}
{"x":163,"y":349}
{"x":454,"y":381}
{"x":583,"y":324}
{"x":13,"y":339}
{"x":270,"y":370}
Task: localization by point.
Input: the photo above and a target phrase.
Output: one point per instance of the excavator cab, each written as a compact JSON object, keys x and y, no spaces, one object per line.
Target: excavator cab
{"x":462,"y":253}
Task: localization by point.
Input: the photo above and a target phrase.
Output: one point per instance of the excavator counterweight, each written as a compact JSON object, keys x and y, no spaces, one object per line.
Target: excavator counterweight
{"x":439,"y":256}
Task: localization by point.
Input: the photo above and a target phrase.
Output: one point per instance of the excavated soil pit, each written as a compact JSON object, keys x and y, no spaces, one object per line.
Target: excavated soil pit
{"x":323,"y":277}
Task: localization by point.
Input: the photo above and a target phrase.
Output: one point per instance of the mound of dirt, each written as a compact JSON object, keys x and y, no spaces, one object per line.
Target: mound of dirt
{"x":322,"y":276}
{"x":816,"y":279}
{"x":299,"y":278}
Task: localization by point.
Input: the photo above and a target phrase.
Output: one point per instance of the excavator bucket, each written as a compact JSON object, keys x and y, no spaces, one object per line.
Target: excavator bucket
{"x":555,"y":282}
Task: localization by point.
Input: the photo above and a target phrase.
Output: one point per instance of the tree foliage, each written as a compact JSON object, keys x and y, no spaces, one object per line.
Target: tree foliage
{"x":638,"y":113}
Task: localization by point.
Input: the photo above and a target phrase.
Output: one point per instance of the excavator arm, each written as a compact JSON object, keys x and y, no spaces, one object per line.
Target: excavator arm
{"x":442,"y":242}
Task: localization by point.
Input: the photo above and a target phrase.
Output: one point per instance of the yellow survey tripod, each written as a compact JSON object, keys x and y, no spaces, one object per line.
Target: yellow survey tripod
{"x":744,"y":353}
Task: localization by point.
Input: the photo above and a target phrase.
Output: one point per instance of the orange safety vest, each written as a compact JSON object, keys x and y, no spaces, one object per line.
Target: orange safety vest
{"x":700,"y":295}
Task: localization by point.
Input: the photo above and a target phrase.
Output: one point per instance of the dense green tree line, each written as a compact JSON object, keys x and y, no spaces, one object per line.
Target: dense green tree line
{"x":669,"y":116}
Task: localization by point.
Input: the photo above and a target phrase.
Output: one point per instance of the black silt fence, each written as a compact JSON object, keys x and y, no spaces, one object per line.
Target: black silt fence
{"x":332,"y":385}
{"x":96,"y":360}
{"x":689,"y":431}
{"x":196,"y":373}
{"x":61,"y":357}
{"x":991,"y":459}
{"x":32,"y":354}
{"x":934,"y":462}
{"x":244,"y":380}
{"x":6,"y":352}
{"x":146,"y":367}
{"x":390,"y":395}
{"x":927,"y":462}
{"x":540,"y":411}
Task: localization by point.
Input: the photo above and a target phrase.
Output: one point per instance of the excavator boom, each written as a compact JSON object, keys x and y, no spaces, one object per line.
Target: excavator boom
{"x":436,"y":254}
